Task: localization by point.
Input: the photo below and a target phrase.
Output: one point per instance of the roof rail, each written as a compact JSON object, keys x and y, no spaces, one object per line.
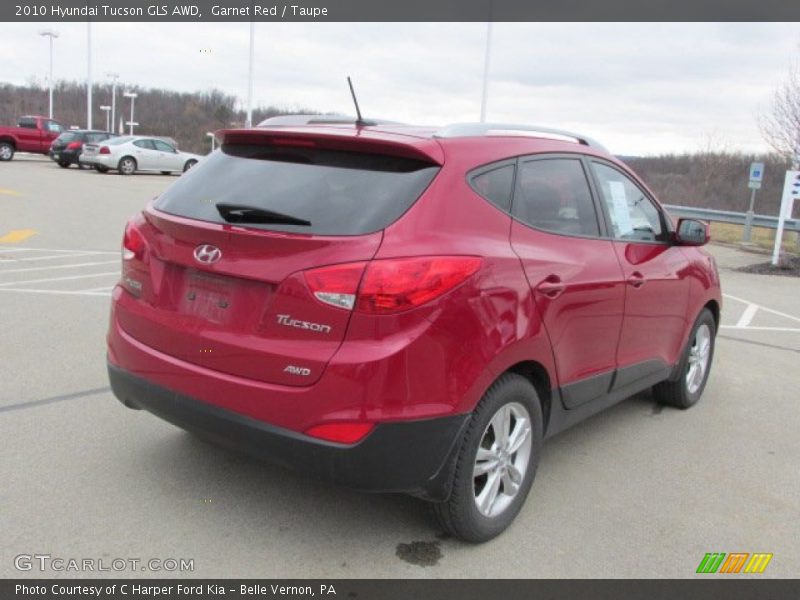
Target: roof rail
{"x":508,"y":129}
{"x":298,"y":120}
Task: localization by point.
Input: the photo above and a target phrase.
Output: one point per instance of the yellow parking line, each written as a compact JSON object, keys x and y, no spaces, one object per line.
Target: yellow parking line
{"x":17,"y":235}
{"x":10,"y":192}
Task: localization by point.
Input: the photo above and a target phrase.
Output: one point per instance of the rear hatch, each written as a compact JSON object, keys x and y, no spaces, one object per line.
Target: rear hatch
{"x":216,"y":265}
{"x":65,"y":138}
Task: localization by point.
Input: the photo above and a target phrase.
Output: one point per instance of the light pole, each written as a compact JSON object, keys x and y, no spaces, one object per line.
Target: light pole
{"x":114,"y":77}
{"x":132,"y":96}
{"x":106,"y":109}
{"x":89,"y":76}
{"x":249,"y":121}
{"x":486,"y":58}
{"x":211,"y":135}
{"x":52,"y":35}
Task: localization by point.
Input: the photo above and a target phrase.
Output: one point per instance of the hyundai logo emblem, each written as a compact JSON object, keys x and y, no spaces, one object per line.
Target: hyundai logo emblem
{"x":207,"y":254}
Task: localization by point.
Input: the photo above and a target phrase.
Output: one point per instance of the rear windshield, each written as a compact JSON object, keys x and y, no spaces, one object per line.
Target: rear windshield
{"x":70,"y":136}
{"x":339,"y":193}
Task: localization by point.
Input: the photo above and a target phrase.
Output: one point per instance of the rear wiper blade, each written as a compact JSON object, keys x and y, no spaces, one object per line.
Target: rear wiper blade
{"x":241,"y":213}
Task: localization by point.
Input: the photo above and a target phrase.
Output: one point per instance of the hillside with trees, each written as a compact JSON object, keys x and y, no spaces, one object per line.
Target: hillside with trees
{"x":185,"y":117}
{"x":713,"y":179}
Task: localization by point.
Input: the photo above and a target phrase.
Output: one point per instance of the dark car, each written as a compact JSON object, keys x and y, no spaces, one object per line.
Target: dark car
{"x":409,"y":309}
{"x":66,"y":148}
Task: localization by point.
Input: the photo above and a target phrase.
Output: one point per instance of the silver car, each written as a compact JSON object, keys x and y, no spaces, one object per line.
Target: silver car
{"x":129,"y":154}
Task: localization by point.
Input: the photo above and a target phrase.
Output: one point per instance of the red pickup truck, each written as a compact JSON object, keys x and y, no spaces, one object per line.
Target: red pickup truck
{"x":32,"y":134}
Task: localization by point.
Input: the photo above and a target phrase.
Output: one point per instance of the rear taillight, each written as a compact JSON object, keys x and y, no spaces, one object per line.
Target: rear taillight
{"x":74,"y":145}
{"x":336,"y":285}
{"x":389,"y":285}
{"x":104,"y":150}
{"x":347,"y":432}
{"x":132,"y":242}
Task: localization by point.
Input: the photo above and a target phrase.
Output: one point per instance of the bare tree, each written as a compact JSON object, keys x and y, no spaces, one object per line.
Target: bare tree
{"x":780,"y":123}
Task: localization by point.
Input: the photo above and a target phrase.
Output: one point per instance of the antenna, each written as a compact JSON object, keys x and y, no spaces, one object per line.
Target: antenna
{"x":359,"y":120}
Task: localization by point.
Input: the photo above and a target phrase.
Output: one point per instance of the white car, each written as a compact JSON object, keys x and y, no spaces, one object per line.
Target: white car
{"x":129,"y":154}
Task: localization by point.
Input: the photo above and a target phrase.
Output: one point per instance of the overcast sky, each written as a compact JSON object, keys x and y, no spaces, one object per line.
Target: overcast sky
{"x":638,"y":88}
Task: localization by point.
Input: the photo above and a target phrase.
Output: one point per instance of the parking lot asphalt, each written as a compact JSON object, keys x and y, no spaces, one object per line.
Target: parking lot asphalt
{"x":637,"y":491}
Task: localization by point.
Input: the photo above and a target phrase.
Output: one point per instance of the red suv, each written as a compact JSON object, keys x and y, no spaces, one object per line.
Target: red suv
{"x":409,"y":309}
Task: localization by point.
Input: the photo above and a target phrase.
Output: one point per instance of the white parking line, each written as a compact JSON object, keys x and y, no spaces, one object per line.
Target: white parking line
{"x":55,"y":292}
{"x":75,"y":266}
{"x":8,"y":249}
{"x":764,"y":308}
{"x":26,"y":282}
{"x":747,"y":315}
{"x":54,"y":257}
{"x":758,"y":328}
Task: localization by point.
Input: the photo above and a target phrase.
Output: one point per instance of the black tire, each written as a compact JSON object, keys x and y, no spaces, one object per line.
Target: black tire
{"x":127,"y":165}
{"x":679,"y":393}
{"x":459,"y":515}
{"x":189,"y":164}
{"x":101,"y":169}
{"x":64,"y":165}
{"x":6,"y":151}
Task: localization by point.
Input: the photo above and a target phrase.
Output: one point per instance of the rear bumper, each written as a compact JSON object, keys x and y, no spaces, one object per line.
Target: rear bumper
{"x":67,"y":156}
{"x":104,"y":160}
{"x":414,"y":457}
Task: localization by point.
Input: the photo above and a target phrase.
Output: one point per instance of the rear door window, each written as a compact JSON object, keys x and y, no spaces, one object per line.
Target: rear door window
{"x":163,"y":146}
{"x":146,"y":144}
{"x":553,"y":194}
{"x":27,"y":122}
{"x":337,"y":192}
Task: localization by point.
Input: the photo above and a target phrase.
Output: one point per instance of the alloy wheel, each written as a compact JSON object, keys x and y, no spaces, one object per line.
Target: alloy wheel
{"x":502,"y":459}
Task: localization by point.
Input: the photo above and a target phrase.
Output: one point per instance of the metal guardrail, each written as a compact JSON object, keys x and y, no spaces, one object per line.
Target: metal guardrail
{"x":729,"y":216}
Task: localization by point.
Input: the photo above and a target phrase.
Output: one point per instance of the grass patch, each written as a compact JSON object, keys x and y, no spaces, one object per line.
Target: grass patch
{"x":762,"y":237}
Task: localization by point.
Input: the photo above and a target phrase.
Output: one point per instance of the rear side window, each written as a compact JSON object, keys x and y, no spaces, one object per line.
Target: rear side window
{"x":553,"y":195}
{"x":27,"y":123}
{"x":496,"y":185}
{"x":338,"y":193}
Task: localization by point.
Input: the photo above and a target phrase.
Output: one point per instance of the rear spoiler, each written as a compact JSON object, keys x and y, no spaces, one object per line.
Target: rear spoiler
{"x":338,"y":138}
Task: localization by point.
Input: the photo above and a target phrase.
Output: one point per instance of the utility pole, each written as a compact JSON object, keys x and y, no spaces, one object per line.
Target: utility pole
{"x":51,"y":34}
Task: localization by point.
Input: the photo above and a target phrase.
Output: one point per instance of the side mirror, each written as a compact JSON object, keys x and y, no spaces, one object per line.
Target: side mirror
{"x":692,"y":232}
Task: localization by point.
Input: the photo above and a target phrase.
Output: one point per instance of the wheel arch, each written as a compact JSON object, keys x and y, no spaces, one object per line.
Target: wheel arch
{"x":537,"y":374}
{"x":8,"y":139}
{"x":714,"y":307}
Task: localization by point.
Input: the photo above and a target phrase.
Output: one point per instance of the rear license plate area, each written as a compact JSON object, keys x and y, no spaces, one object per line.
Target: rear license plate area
{"x":207,"y":297}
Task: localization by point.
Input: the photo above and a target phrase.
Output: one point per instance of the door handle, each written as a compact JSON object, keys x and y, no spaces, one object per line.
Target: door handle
{"x":636,"y":279}
{"x":552,"y":287}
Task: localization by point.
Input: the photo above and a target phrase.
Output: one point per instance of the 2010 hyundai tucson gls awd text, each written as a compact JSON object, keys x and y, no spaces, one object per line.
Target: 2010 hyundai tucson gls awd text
{"x":408,"y":309}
